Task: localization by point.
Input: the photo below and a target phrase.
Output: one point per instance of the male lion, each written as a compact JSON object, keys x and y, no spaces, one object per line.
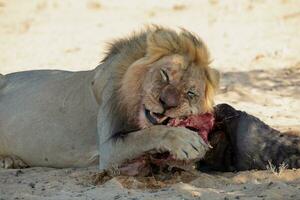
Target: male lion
{"x":51,"y":117}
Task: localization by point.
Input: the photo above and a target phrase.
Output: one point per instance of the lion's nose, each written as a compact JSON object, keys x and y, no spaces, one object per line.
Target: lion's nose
{"x":169,"y":97}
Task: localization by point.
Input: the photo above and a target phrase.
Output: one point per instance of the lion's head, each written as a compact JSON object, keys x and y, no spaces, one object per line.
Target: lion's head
{"x":163,"y":74}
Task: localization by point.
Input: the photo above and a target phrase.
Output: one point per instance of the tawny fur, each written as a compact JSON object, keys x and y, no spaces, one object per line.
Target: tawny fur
{"x":55,"y":116}
{"x":139,"y":50}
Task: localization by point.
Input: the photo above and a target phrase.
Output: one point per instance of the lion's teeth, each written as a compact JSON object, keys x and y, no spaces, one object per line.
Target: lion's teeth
{"x":161,"y":120}
{"x":158,"y":118}
{"x":153,"y":115}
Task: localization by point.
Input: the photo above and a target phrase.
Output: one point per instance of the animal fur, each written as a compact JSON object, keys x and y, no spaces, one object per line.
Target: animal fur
{"x":244,"y":143}
{"x":66,"y":119}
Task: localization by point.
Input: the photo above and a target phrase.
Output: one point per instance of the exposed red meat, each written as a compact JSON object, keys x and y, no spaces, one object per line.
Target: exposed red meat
{"x":202,"y":123}
{"x":138,"y":166}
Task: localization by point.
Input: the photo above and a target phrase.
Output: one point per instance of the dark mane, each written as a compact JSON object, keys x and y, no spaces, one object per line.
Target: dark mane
{"x":135,"y":44}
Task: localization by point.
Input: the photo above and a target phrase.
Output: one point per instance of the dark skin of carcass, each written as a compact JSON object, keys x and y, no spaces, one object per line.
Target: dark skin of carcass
{"x":242,"y":142}
{"x":239,"y":142}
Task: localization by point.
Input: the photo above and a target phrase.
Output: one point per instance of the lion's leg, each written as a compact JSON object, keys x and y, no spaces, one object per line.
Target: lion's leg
{"x":182,"y":143}
{"x":11,"y":162}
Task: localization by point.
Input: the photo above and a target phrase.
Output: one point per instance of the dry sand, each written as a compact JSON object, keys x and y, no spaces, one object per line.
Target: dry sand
{"x":255,"y":44}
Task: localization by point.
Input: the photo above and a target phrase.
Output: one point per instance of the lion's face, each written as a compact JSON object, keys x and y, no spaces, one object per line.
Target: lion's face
{"x":172,"y":88}
{"x":163,"y":74}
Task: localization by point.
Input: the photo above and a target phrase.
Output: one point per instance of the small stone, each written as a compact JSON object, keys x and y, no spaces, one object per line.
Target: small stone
{"x":32,"y":185}
{"x":18,"y":172}
{"x":117,"y":197}
{"x":271,"y":183}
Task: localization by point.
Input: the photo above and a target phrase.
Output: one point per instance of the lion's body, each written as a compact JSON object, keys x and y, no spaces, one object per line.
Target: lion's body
{"x":68,"y":119}
{"x":48,"y":118}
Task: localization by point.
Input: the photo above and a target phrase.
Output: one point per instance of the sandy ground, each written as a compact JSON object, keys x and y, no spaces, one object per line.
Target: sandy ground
{"x":255,"y":44}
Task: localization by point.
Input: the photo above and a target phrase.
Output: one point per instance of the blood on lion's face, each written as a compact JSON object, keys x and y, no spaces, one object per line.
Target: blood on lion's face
{"x":173,"y":88}
{"x":171,"y":80}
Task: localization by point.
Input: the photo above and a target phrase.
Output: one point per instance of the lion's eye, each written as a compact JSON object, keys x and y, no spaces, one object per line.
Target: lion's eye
{"x":164,"y":75}
{"x":191,"y":94}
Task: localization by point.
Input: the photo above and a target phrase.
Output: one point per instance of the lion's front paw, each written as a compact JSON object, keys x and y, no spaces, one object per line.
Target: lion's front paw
{"x":183,"y":144}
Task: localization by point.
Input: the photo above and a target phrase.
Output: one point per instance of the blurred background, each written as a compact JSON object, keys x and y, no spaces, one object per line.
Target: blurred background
{"x":255,"y":44}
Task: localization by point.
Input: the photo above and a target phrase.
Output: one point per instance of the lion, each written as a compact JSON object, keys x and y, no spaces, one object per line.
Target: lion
{"x":114,"y":112}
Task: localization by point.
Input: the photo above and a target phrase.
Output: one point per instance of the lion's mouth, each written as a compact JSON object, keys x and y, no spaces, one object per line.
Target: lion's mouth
{"x":156,"y":118}
{"x":201,"y":123}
